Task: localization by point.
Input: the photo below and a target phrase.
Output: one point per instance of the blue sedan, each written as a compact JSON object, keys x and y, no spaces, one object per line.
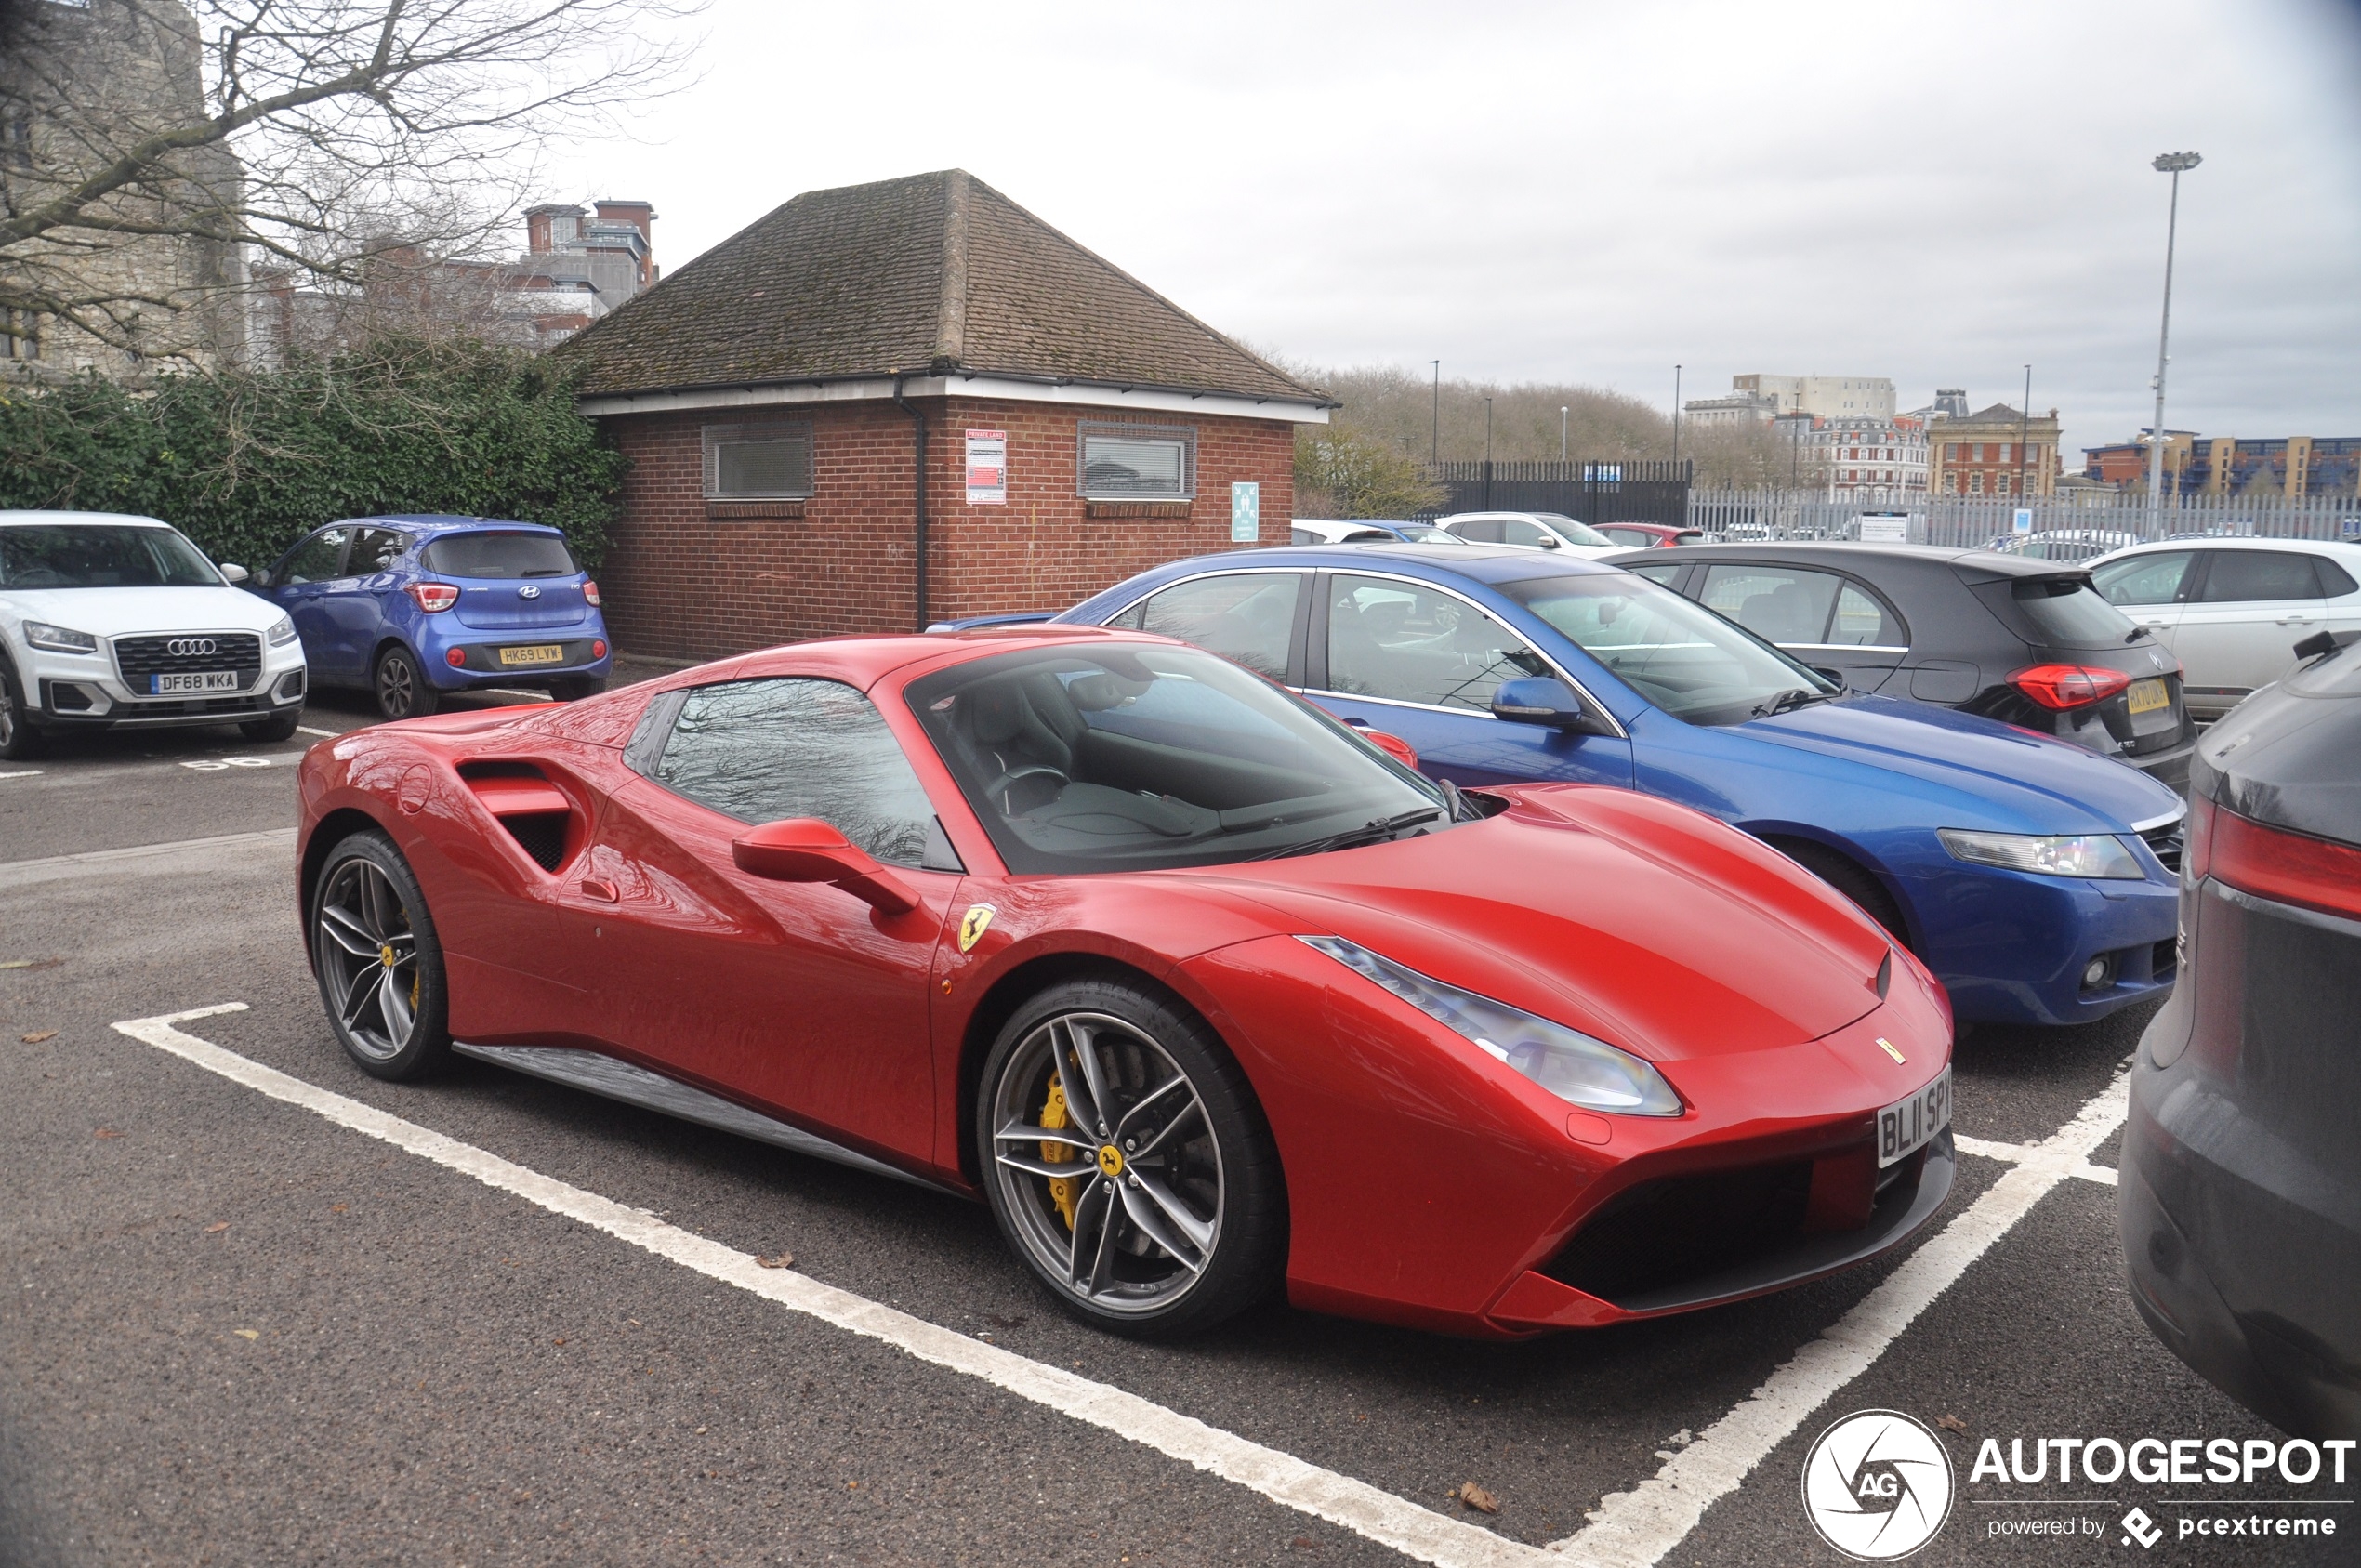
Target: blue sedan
{"x":411,"y":607}
{"x":2038,"y":880}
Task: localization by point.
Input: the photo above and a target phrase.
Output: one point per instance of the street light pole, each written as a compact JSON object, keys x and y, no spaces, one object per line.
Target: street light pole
{"x":1488,"y":454}
{"x":2175,"y":164}
{"x":1561,"y":432}
{"x":2024,"y":417}
{"x":1434,"y":436}
{"x":1676,"y":414}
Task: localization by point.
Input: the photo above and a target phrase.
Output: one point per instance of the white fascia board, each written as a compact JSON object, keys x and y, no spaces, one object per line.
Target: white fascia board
{"x":1144,"y":400}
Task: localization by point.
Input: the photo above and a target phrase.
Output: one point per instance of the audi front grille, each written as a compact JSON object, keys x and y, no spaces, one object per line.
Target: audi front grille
{"x":136,"y":658}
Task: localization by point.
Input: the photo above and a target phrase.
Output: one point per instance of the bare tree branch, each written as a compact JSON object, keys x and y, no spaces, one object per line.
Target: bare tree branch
{"x":150,"y":147}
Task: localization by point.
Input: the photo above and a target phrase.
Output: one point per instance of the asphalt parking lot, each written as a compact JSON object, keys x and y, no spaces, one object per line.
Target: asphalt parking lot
{"x":264,"y":1309}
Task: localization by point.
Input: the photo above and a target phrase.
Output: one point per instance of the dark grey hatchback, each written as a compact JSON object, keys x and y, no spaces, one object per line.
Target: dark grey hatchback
{"x":2240,"y":1185}
{"x":2027,"y":641}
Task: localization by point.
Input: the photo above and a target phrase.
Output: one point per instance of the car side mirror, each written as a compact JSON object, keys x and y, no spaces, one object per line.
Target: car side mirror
{"x":807,"y":849}
{"x":1827,"y":673}
{"x":232,"y":574}
{"x":1545,"y":699}
{"x":1394,"y":745}
{"x":1549,"y":542}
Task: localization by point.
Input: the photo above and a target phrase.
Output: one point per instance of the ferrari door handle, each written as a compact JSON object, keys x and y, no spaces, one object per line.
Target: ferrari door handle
{"x":597,"y":887}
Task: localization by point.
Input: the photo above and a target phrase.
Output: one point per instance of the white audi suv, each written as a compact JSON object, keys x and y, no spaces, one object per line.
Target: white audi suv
{"x":115,"y":622}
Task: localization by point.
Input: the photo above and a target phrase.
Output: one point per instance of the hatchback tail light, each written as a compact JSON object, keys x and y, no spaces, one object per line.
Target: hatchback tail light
{"x":590,"y":593}
{"x":2273,"y":863}
{"x":2068,"y":686}
{"x":433,"y":598}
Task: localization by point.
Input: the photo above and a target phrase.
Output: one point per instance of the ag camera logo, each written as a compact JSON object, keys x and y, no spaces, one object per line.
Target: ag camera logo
{"x":1878,"y":1485}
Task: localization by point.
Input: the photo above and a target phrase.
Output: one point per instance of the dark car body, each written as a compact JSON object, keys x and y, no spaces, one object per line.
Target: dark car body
{"x":2240,"y":1189}
{"x":1984,"y":633}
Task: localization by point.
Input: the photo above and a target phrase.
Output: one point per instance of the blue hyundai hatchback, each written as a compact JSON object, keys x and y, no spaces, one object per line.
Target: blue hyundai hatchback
{"x":412,"y":607}
{"x":2037,"y":880}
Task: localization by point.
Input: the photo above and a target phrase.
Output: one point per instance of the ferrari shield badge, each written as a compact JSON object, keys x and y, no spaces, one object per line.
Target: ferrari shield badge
{"x":973,"y":924}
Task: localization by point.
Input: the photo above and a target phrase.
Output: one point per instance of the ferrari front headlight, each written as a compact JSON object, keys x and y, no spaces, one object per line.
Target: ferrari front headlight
{"x":2098,"y":855}
{"x":1570,"y":1065}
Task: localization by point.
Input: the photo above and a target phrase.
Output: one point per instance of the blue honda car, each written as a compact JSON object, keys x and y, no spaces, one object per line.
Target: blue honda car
{"x":412,"y":607}
{"x":2038,"y":880}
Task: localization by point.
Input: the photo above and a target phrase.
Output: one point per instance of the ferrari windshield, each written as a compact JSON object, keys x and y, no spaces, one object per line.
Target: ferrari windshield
{"x":101,"y":555}
{"x":1671,"y":651}
{"x":1131,"y":758}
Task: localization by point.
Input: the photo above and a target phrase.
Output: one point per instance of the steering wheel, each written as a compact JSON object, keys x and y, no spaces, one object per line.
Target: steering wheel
{"x":1028,"y":771}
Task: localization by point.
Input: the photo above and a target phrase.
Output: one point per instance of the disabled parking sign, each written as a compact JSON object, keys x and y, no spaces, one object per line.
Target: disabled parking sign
{"x":2024,"y":520}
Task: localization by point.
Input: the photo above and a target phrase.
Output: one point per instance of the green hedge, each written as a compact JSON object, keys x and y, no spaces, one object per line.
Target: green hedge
{"x":245,"y":462}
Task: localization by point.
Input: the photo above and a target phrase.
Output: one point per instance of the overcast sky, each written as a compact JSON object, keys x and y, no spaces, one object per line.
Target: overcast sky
{"x":1591,"y":192}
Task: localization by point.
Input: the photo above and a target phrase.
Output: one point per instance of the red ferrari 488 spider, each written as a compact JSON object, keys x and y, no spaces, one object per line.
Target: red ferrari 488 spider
{"x":1200,"y":989}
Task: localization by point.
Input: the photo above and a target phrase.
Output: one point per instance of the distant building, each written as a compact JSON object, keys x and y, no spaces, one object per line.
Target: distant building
{"x":1951,"y":402}
{"x":1989,"y":452}
{"x":2289,"y":465}
{"x":1869,"y":459}
{"x":1734,"y":409}
{"x":577,"y":266}
{"x":1828,"y":396}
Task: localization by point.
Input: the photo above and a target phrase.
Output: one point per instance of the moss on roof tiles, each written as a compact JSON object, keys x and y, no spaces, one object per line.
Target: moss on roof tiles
{"x":930,"y":274}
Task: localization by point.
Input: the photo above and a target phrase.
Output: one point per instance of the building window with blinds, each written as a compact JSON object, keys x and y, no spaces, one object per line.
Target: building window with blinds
{"x":1137,"y":462}
{"x":766,"y":462}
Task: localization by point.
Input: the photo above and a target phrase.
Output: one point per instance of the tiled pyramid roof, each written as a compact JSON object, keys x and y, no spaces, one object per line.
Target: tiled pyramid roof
{"x":933,"y":274}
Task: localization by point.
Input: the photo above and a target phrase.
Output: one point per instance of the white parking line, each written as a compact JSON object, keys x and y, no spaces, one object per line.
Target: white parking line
{"x":1366,"y":1510}
{"x":25,"y":773}
{"x":1635,"y":1529}
{"x":2014,"y":1152}
{"x":325,"y":735}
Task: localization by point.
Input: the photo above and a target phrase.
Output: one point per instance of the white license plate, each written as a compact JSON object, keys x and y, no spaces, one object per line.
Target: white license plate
{"x":1905,"y":1127}
{"x":195,"y":680}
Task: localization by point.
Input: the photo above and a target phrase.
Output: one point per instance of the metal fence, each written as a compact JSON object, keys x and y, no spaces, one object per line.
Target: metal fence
{"x":1588,"y":492}
{"x":2069,"y":527}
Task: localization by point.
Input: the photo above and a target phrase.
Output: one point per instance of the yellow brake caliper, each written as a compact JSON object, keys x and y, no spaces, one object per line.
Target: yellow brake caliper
{"x":1053,"y":1116}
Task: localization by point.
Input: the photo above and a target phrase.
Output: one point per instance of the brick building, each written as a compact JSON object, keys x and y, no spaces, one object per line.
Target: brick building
{"x":2289,"y":465}
{"x":1988,"y":452}
{"x":782,"y":396}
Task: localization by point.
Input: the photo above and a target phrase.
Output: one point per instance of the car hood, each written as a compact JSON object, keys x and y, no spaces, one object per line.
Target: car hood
{"x":1646,"y":924}
{"x":2002,"y":777}
{"x":118,"y":611}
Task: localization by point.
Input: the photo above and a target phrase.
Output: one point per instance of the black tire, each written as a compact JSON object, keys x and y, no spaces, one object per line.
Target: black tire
{"x":573,"y":687}
{"x":365,"y":895}
{"x":401,"y":687}
{"x":278,"y":727}
{"x":1207,"y":1176}
{"x":19,"y":740}
{"x":1850,"y":877}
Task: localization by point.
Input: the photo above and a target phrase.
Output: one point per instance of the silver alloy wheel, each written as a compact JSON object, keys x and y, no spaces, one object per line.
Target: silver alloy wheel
{"x":7,"y":715}
{"x":1140,"y":1167}
{"x":396,"y":694}
{"x":369,"y":956}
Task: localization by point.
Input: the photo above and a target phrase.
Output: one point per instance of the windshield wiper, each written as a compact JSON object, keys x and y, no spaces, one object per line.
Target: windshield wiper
{"x":1375,"y":831}
{"x":1788,"y":700}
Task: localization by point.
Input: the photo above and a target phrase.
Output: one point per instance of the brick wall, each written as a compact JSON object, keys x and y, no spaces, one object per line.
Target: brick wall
{"x":677,"y":583}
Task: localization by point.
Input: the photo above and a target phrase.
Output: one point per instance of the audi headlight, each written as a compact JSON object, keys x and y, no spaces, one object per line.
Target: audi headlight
{"x":281,"y":632}
{"x":1567,"y":1062}
{"x":58,"y":639}
{"x":2099,"y":855}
